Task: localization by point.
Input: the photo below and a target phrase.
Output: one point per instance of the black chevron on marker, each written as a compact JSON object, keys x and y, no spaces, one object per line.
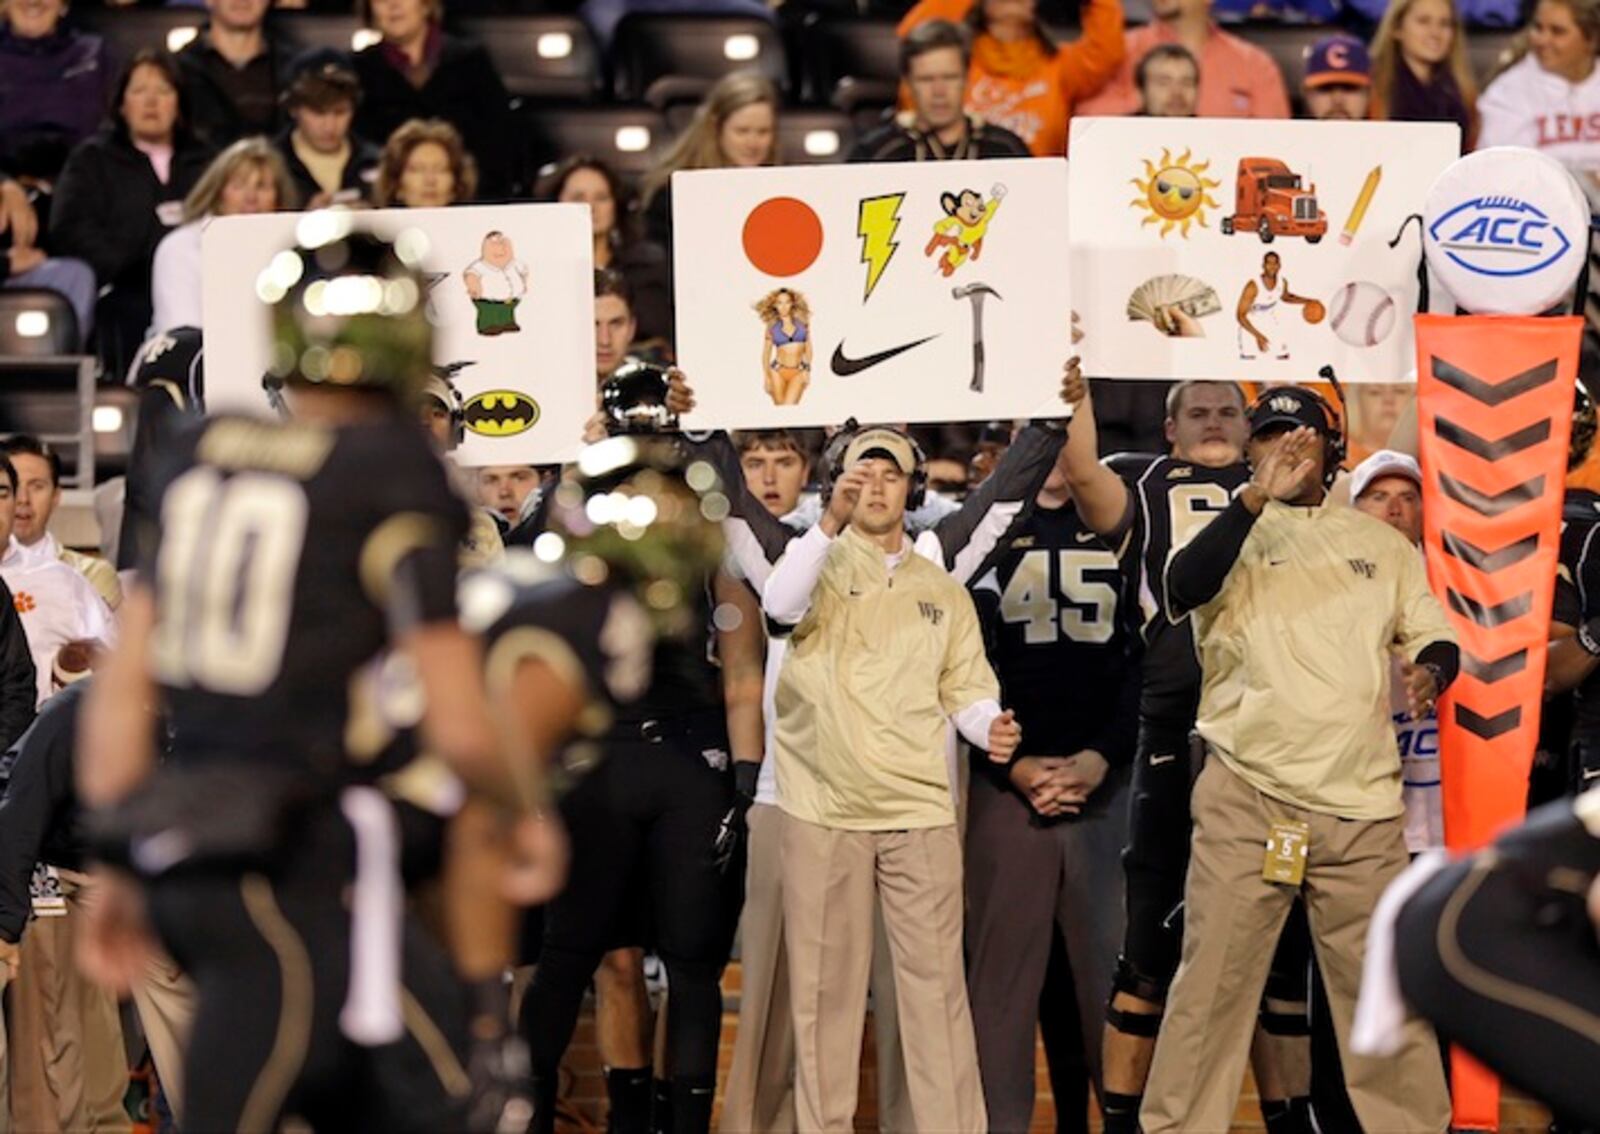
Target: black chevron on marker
{"x":1500,"y":392}
{"x":1489,"y":727}
{"x":1490,"y":672}
{"x":1489,"y":616}
{"x":1496,"y":505}
{"x":1489,"y":561}
{"x":1463,"y":438}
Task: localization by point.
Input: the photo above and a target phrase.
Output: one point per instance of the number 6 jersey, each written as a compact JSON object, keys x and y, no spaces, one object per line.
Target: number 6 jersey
{"x":284,"y":554}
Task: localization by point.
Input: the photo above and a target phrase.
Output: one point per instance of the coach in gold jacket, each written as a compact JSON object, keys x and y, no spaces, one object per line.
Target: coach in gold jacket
{"x":885,"y":653}
{"x":1297,"y":608}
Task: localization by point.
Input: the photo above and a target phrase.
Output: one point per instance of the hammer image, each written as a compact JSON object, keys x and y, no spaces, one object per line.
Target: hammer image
{"x":976,"y":292}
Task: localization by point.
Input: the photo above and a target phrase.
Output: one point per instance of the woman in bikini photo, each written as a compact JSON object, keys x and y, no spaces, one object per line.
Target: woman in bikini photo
{"x":786,"y":345}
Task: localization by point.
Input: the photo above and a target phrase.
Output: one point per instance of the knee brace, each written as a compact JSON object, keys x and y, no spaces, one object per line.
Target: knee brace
{"x":1132,"y":982}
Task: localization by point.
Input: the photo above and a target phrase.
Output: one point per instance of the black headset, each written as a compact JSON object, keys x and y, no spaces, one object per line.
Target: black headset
{"x":832,"y":464}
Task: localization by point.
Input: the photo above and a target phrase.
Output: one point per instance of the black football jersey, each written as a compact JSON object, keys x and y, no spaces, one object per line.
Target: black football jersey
{"x":1052,"y":612}
{"x":1577,"y":599}
{"x":1173,"y":502}
{"x":281,"y":550}
{"x":596,"y":637}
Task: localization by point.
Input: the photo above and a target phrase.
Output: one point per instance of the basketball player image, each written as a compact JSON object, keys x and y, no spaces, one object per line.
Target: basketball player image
{"x":1260,"y":333}
{"x":786,"y":345}
{"x":966,"y":222}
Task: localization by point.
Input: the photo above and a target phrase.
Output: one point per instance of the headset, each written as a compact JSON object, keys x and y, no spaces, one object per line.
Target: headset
{"x":832,"y":463}
{"x":1334,"y":446}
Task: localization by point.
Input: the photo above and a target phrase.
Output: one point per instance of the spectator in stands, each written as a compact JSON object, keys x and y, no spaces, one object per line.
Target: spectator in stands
{"x":122,"y":190}
{"x":1338,"y":80}
{"x":1237,"y":79}
{"x":1549,"y":98}
{"x":1020,"y":78}
{"x":1419,"y":67}
{"x":418,"y":71}
{"x":935,"y":61}
{"x":586,"y":180}
{"x":53,"y":86}
{"x":425,"y":166}
{"x":1168,"y":78}
{"x":23,"y":264}
{"x":233,"y":72}
{"x":614,"y":325}
{"x":38,"y":495}
{"x":736,"y":126}
{"x":329,"y":164}
{"x":248,"y":177}
{"x":1372,"y":410}
{"x":506,"y":490}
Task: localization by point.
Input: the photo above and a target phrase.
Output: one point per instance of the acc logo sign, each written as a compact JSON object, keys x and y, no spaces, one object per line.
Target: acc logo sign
{"x":1499,"y":236}
{"x":1505,"y":232}
{"x":500,"y":413}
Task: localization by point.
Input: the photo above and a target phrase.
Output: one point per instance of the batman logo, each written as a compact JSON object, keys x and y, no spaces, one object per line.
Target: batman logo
{"x":500,"y":413}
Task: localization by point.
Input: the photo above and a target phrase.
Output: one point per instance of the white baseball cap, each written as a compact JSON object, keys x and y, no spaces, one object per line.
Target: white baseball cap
{"x":1385,"y":462}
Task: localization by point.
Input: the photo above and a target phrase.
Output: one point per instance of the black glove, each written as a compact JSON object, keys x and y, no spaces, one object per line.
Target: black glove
{"x":732,"y":830}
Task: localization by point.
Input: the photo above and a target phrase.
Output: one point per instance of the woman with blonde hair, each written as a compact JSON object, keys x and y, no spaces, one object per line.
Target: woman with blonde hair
{"x":1549,"y":96}
{"x":247,"y":177}
{"x":785,"y":345}
{"x":735,"y":127}
{"x":1420,"y":71}
{"x":425,"y":165}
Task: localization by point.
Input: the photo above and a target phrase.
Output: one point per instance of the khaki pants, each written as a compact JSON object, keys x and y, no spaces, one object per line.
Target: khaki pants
{"x":165,"y":1001}
{"x":832,"y":882}
{"x":1232,"y":917}
{"x":69,"y":1070}
{"x":759,"y":1095}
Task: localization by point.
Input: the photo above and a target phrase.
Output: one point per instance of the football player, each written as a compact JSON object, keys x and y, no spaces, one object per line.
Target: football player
{"x":281,"y":569}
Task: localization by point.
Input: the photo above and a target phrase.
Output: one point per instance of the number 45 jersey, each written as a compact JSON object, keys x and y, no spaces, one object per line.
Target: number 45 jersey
{"x":1052,"y":615}
{"x":284,"y":551}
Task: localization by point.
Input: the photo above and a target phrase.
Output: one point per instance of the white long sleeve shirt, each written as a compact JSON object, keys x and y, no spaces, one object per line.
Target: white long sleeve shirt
{"x":1529,"y":106}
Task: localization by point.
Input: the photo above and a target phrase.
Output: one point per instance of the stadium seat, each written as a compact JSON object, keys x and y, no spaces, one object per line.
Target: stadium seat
{"x":866,"y":53}
{"x":128,"y":31}
{"x":37,"y":323}
{"x":814,"y":137}
{"x":629,"y":139}
{"x":327,"y":30}
{"x":547,"y":57}
{"x":692,"y":48}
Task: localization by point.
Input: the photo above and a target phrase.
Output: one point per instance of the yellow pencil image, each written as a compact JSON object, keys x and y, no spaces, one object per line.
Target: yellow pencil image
{"x":1363,"y":199}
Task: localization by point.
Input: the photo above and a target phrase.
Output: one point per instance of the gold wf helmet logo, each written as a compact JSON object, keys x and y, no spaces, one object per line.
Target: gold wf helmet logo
{"x":500,"y":413}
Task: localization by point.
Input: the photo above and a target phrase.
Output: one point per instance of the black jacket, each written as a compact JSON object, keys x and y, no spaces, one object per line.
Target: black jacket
{"x":213,"y":116}
{"x":360,"y":172}
{"x":19,"y":690}
{"x":464,"y":89}
{"x":39,"y":812}
{"x":900,"y":140}
{"x":105,"y":205}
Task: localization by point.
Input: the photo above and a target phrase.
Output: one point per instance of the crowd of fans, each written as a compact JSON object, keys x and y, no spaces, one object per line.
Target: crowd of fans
{"x":1015,"y":917}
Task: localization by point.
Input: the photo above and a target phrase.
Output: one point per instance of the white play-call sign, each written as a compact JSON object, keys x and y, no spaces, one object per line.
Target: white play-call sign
{"x":904,"y":293}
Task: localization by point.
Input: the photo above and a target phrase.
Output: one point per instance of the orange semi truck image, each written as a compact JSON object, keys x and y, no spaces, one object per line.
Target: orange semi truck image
{"x":1271,"y":201}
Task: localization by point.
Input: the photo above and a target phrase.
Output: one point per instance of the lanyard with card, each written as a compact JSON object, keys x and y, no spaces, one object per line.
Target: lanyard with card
{"x":45,"y":890}
{"x":1288,"y":843}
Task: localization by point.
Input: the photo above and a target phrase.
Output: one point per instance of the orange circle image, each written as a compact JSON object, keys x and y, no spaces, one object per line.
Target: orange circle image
{"x":1314,"y":311}
{"x":782,"y":236}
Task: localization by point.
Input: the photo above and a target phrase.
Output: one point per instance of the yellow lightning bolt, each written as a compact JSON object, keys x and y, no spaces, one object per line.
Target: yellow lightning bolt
{"x":877,"y":223}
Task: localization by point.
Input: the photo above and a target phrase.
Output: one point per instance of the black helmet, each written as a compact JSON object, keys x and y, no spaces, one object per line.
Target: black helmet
{"x":634,"y":400}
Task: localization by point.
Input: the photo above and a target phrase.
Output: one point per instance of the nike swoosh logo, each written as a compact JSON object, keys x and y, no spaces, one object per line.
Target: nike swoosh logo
{"x":1276,"y":562}
{"x":1157,"y":761}
{"x":1085,"y":537}
{"x":844,"y":367}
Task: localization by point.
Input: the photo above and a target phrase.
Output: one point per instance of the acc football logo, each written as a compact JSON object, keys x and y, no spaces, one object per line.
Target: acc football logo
{"x":1499,"y":236}
{"x":500,"y":413}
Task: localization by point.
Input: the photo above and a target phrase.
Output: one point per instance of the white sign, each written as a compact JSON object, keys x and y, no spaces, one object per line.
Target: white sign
{"x":1507,"y":231}
{"x":1248,"y":249}
{"x":511,"y":295}
{"x":932,"y":291}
